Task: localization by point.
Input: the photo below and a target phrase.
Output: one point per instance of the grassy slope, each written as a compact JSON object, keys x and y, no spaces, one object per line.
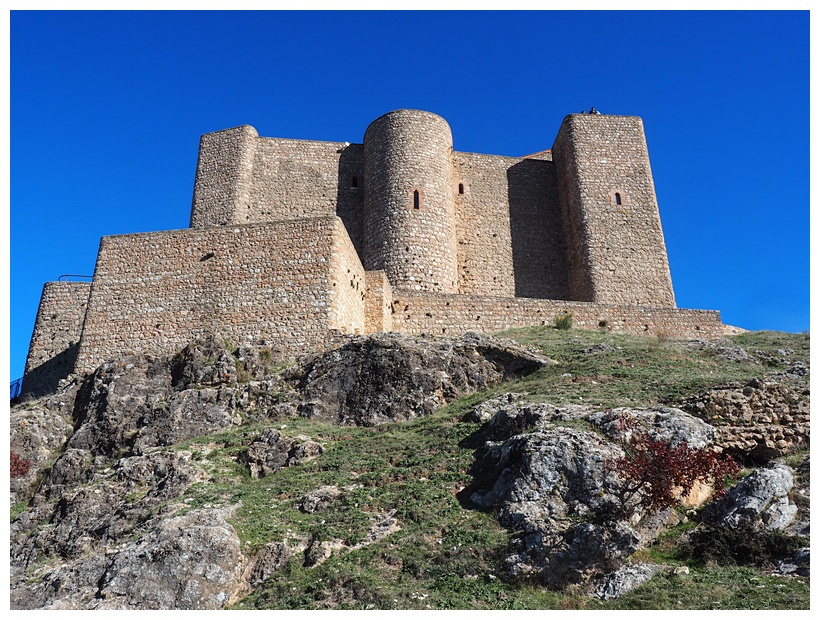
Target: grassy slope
{"x":446,"y":555}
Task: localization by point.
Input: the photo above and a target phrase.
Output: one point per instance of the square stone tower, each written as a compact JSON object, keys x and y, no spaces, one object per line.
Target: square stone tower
{"x":615,"y":248}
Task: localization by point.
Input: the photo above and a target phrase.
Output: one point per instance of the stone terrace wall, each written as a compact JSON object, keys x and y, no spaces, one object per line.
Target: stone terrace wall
{"x":262,"y":283}
{"x":417,"y":313}
{"x":55,"y":340}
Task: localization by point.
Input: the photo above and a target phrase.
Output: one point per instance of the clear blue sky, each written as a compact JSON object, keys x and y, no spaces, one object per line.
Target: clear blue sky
{"x":107,"y":109}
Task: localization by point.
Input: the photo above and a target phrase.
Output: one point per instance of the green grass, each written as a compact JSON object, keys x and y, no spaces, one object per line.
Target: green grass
{"x":446,"y":554}
{"x":735,"y":587}
{"x":640,"y":370}
{"x":17,"y":509}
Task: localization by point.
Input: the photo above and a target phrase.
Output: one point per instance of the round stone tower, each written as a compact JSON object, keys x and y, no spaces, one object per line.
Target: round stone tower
{"x":409,"y":202}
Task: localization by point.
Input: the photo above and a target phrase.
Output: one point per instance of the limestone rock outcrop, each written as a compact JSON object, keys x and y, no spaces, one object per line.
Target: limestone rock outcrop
{"x":760,"y":500}
{"x":549,"y":482}
{"x":393,"y":377}
{"x":133,"y":492}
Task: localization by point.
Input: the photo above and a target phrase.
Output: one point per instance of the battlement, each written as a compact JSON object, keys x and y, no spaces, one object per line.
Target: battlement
{"x":293,"y":242}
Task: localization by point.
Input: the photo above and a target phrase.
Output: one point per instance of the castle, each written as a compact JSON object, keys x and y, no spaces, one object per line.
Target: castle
{"x":294,"y":243}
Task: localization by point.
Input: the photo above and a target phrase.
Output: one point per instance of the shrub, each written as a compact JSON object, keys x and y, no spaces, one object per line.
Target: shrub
{"x":19,"y":466}
{"x":743,"y":545}
{"x":563,"y":321}
{"x":656,"y":474}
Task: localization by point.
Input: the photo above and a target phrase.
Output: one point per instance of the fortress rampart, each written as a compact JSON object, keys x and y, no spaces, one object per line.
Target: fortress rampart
{"x":294,"y":243}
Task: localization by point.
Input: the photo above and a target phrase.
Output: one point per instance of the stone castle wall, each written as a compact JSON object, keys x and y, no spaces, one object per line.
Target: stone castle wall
{"x":409,"y":214}
{"x":501,"y":214}
{"x":244,"y":179}
{"x":279,"y":284}
{"x":440,"y":314}
{"x":56,"y":337}
{"x":224,"y":177}
{"x":293,"y":243}
{"x":509,"y":227}
{"x":616,"y":251}
{"x":378,"y":302}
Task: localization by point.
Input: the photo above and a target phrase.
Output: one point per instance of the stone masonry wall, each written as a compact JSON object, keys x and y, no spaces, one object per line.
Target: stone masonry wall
{"x":417,"y":313}
{"x":508,"y":221}
{"x":409,"y":216}
{"x":262,"y":283}
{"x":303,"y":178}
{"x":223,"y":176}
{"x":485,"y":257}
{"x":347,"y":284}
{"x":56,"y":336}
{"x":613,"y":231}
{"x":244,"y":179}
{"x":378,"y":303}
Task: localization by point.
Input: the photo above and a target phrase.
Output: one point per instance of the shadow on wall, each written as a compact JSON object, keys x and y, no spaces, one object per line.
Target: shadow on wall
{"x":350,"y":193}
{"x":539,"y":257}
{"x":44,"y":379}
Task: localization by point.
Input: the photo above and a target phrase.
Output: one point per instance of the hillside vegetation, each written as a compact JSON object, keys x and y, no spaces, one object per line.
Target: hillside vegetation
{"x":381,"y":516}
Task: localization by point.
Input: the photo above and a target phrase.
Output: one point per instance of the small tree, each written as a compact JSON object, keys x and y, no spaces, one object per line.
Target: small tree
{"x":656,"y":473}
{"x":19,"y":466}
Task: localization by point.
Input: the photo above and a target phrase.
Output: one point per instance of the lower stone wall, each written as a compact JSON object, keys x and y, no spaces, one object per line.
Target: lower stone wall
{"x":56,"y":336}
{"x":295,"y":286}
{"x":440,"y":314}
{"x":267,"y":284}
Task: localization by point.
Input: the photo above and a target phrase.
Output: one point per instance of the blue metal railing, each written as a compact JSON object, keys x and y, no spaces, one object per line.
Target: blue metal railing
{"x":16,"y":387}
{"x":73,"y":275}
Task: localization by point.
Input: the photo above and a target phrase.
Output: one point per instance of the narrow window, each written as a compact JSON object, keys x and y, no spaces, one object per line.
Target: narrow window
{"x":617,"y":198}
{"x":416,"y":199}
{"x":354,"y":182}
{"x":461,"y":188}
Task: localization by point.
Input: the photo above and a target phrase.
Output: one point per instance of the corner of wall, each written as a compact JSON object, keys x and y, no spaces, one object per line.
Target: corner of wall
{"x":55,"y":340}
{"x":346,"y":283}
{"x":378,"y":302}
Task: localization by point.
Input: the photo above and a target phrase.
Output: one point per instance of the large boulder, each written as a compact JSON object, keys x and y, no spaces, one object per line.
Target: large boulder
{"x":624,"y":580}
{"x":553,"y":484}
{"x":189,"y":562}
{"x":135,"y":403}
{"x":113,"y":401}
{"x":391,"y":377}
{"x":273,"y":450}
{"x":666,"y":423}
{"x":760,"y":500}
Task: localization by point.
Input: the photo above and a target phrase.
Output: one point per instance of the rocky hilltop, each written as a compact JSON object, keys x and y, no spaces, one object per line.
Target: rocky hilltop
{"x":412,"y":472}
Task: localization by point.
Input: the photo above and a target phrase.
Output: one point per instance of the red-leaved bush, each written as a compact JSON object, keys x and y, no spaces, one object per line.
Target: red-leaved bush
{"x":19,"y":465}
{"x":656,"y":474}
